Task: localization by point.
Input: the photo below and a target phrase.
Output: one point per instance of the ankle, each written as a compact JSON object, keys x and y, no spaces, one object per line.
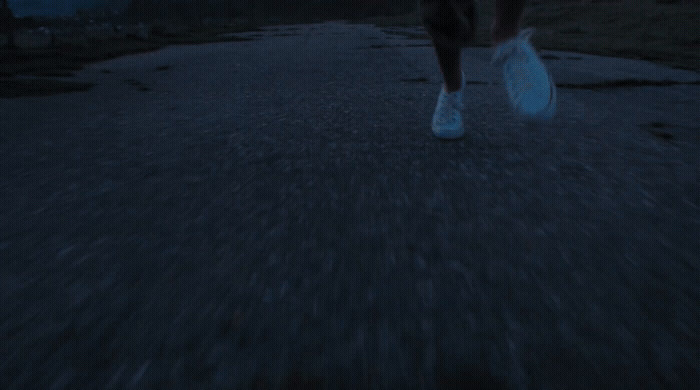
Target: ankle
{"x":500,"y":34}
{"x":454,"y":85}
{"x":450,"y":89}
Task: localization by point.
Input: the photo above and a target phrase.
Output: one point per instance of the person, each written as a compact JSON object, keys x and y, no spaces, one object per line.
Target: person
{"x":451,"y":24}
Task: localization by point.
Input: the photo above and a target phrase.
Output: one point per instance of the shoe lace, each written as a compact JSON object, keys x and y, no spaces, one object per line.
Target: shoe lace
{"x":513,"y":55}
{"x":514,"y":70}
{"x":512,"y":46}
{"x":450,"y":108}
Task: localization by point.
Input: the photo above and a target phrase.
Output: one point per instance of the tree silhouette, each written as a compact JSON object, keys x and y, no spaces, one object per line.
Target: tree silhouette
{"x":8,"y":24}
{"x":136,"y":10}
{"x":260,"y":11}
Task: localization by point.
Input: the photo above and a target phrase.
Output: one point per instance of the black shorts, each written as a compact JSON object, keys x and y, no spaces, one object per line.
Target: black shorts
{"x":450,"y":23}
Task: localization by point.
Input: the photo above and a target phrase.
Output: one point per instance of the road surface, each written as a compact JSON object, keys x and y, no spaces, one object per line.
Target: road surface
{"x":276,"y":213}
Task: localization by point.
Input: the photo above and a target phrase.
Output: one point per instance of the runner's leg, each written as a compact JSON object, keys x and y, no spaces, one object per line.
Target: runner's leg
{"x":506,"y":21}
{"x":449,"y":33}
{"x":445,"y":29}
{"x":449,"y":65}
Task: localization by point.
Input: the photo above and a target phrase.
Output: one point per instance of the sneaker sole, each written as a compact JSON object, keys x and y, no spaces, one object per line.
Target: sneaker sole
{"x":551,"y":108}
{"x":450,"y":134}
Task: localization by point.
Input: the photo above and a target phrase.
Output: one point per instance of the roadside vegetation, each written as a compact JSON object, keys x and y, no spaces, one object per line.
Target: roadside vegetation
{"x":665,"y":32}
{"x":73,"y":53}
{"x":660,"y":31}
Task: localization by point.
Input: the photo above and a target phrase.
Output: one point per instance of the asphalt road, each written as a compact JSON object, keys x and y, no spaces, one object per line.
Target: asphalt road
{"x":277,"y":212}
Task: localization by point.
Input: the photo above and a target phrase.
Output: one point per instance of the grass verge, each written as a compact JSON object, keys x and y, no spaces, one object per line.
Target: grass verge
{"x":10,"y":88}
{"x":72,"y":55}
{"x":641,"y":29}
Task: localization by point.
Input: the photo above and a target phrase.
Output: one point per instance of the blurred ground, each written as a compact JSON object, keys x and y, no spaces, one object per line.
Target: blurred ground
{"x":277,"y":212}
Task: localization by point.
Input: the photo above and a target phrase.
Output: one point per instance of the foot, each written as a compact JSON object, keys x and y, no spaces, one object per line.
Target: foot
{"x":447,"y":119}
{"x":530,"y":87}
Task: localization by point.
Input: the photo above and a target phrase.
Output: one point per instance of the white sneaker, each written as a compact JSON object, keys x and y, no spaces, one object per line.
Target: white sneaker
{"x":447,"y":119}
{"x":530,"y":87}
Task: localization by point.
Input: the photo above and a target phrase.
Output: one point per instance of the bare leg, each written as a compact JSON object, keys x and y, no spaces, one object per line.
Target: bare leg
{"x":506,"y":22}
{"x":449,"y":64}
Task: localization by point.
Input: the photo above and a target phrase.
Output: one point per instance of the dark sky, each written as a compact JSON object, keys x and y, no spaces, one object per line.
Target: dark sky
{"x":57,"y":7}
